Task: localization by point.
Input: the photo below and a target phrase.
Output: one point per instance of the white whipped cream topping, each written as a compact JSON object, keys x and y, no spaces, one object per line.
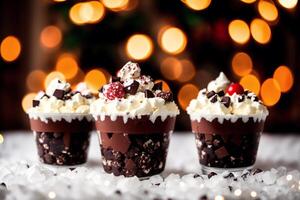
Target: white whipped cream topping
{"x":57,"y":84}
{"x":202,"y":107}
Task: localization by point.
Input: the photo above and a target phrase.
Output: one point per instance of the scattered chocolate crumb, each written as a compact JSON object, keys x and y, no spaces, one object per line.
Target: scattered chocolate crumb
{"x":59,"y":93}
{"x":157,"y":86}
{"x":132,"y":88}
{"x":226,"y":101}
{"x":211,"y":174}
{"x":167,"y":96}
{"x":115,"y":79}
{"x":221,"y":93}
{"x":214,"y":99}
{"x":210,"y":94}
{"x":35,"y":103}
{"x":149,"y":94}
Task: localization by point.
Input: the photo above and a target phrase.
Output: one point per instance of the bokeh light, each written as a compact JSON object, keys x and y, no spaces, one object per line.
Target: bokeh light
{"x":139,"y":47}
{"x":53,"y":75}
{"x":267,"y":10}
{"x":67,"y":65}
{"x":260,"y":31}
{"x":239,"y":31}
{"x":172,"y":40}
{"x":27,"y":101}
{"x":251,"y":83}
{"x":284,"y":76}
{"x":241,"y":64}
{"x":35,"y":80}
{"x":165,"y":85}
{"x":116,"y":5}
{"x":188,"y":71}
{"x":270,"y":92}
{"x":87,"y":12}
{"x":197,"y":4}
{"x":50,"y":36}
{"x":248,"y":1}
{"x":186,"y":94}
{"x":98,"y":11}
{"x":171,"y":68}
{"x":1,"y":139}
{"x":289,"y":4}
{"x":95,"y":79}
{"x":10,"y":48}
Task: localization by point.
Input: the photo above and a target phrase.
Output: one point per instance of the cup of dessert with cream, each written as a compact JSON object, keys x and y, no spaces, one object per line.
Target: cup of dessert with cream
{"x":227,"y":121}
{"x":61,"y":123}
{"x":134,"y":118}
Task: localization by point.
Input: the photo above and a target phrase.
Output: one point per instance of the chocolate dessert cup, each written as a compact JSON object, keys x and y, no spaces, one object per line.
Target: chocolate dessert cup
{"x":228,"y":146}
{"x":62,"y":142}
{"x":135,"y":148}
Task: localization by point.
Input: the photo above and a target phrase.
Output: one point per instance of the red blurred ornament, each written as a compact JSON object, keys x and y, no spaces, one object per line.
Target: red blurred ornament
{"x":235,"y":88}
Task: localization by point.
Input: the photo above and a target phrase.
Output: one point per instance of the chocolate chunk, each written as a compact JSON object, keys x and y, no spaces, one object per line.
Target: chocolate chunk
{"x":241,"y":98}
{"x":167,"y":96}
{"x":221,"y":93}
{"x":226,"y":101}
{"x":101,"y":89}
{"x":157,"y":86}
{"x":132,"y":88}
{"x":210,"y":94}
{"x":59,"y":93}
{"x":211,"y":174}
{"x":149,"y":94}
{"x":221,"y":152}
{"x":255,"y":99}
{"x":35,"y":103}
{"x":214,"y":99}
{"x":246,"y":92}
{"x":115,"y":79}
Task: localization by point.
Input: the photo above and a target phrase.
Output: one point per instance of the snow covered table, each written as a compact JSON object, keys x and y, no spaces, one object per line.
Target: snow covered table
{"x":23,"y":177}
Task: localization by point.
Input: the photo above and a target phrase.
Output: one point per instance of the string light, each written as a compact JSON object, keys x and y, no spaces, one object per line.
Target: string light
{"x":10,"y":48}
{"x":139,"y":47}
{"x":116,"y":5}
{"x":51,"y":195}
{"x":95,"y":79}
{"x":172,"y":39}
{"x":53,"y":75}
{"x":284,"y":76}
{"x":239,"y":31}
{"x":186,"y":94}
{"x":27,"y":101}
{"x":267,"y":10}
{"x":35,"y":80}
{"x":251,"y":83}
{"x":260,"y":31}
{"x":50,"y":36}
{"x":171,"y":68}
{"x":197,"y":4}
{"x":270,"y":92}
{"x":253,"y":194}
{"x":241,"y":64}
{"x":238,"y":192}
{"x":67,"y":65}
{"x":289,"y":4}
{"x":1,"y":139}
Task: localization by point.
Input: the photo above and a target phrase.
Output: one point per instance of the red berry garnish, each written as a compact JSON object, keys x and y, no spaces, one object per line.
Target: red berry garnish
{"x":114,"y":90}
{"x":235,"y":88}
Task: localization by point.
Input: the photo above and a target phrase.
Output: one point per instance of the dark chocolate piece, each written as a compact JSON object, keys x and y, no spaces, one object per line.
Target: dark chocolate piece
{"x":214,"y":99}
{"x":230,"y":175}
{"x":35,"y":103}
{"x":115,"y":79}
{"x":226,"y":101}
{"x":221,"y":93}
{"x":149,"y":94}
{"x":59,"y":93}
{"x":256,"y":171}
{"x":132,"y":88}
{"x":241,"y":98}
{"x":210,"y":94}
{"x":157,"y":86}
{"x":255,"y":98}
{"x":101,"y":89}
{"x":167,"y":96}
{"x":211,"y":174}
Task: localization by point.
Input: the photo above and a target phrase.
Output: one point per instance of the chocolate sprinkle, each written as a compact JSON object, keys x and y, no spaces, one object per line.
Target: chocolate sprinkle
{"x":226,"y":101}
{"x":167,"y":96}
{"x":35,"y":103}
{"x":149,"y":94}
{"x":214,"y":99}
{"x":132,"y":88}
{"x":210,"y":94}
{"x":115,"y":79}
{"x":157,"y":86}
{"x":59,"y":93}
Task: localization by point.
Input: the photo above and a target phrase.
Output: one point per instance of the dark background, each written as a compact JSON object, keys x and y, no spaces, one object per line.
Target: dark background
{"x":209,"y":48}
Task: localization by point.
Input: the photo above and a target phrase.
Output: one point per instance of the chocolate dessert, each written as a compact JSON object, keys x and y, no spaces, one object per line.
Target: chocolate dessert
{"x":134,"y":119}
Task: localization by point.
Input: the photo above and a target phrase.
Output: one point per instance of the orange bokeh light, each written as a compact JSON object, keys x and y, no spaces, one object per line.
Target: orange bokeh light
{"x":10,"y":48}
{"x":67,"y":65}
{"x":284,"y":76}
{"x":186,"y":94}
{"x":171,"y":68}
{"x":116,"y":5}
{"x":197,"y":4}
{"x":260,"y":31}
{"x":239,"y":31}
{"x":270,"y":92}
{"x":35,"y":80}
{"x":53,"y":75}
{"x":172,"y":40}
{"x":95,"y":79}
{"x":289,"y":4}
{"x":248,"y":1}
{"x":267,"y":10}
{"x":188,"y":71}
{"x":139,"y":47}
{"x":251,"y":82}
{"x":241,"y":64}
{"x":50,"y":36}
{"x":27,"y":101}
{"x":165,"y":86}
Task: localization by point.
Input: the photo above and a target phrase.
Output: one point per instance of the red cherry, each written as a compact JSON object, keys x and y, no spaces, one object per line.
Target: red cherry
{"x":115,"y":90}
{"x":235,"y":88}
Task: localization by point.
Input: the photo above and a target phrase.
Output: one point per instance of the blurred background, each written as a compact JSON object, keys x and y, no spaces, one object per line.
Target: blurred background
{"x":185,"y":43}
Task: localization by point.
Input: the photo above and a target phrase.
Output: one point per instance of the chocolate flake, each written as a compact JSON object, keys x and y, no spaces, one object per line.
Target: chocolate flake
{"x":167,"y":96}
{"x":211,"y":174}
{"x":115,"y":79}
{"x":230,"y":175}
{"x":256,"y":171}
{"x":214,"y":99}
{"x":132,"y":88}
{"x":101,"y":89}
{"x":221,"y":93}
{"x":226,"y":101}
{"x":59,"y":93}
{"x":35,"y":103}
{"x":157,"y":86}
{"x":210,"y":94}
{"x":149,"y":94}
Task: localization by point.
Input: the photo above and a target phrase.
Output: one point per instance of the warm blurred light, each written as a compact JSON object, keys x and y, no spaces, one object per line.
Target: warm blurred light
{"x":165,"y":86}
{"x":10,"y":48}
{"x":239,"y":31}
{"x":1,"y":139}
{"x":270,"y":92}
{"x":171,"y":68}
{"x":95,"y":79}
{"x":59,"y":0}
{"x":74,"y":14}
{"x":289,"y":4}
{"x":77,"y":79}
{"x":87,"y":12}
{"x":260,"y":31}
{"x":241,"y":64}
{"x":51,"y":36}
{"x":139,"y":47}
{"x":172,"y":40}
{"x":98,"y":11}
{"x":35,"y":80}
{"x":197,"y":4}
{"x":188,"y":71}
{"x":248,"y":1}
{"x":116,"y":5}
{"x":284,"y":76}
{"x":186,"y":94}
{"x":67,"y":65}
{"x":251,"y":83}
{"x":53,"y":75}
{"x":27,"y":101}
{"x":267,"y":10}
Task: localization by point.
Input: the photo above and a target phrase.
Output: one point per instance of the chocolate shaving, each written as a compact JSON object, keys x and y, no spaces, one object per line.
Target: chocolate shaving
{"x":167,"y":96}
{"x":157,"y":86}
{"x":59,"y":93}
{"x":115,"y":79}
{"x":149,"y":94}
{"x":214,"y":99}
{"x":210,"y":94}
{"x":226,"y":101}
{"x":132,"y":88}
{"x":221,"y":93}
{"x":35,"y":103}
